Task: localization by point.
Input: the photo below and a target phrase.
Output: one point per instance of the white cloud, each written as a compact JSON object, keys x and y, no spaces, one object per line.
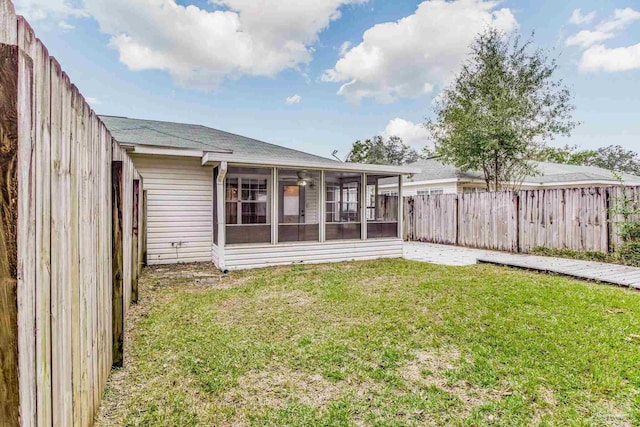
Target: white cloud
{"x":92,"y":101}
{"x":41,"y":10}
{"x":412,"y":134}
{"x":587,"y":38}
{"x":344,"y":47}
{"x":578,"y":18}
{"x":605,"y":30}
{"x":413,"y":55}
{"x":293,"y":99}
{"x":596,"y":56}
{"x":65,"y":26}
{"x":199,"y":47}
{"x":617,"y":59}
{"x":620,"y":20}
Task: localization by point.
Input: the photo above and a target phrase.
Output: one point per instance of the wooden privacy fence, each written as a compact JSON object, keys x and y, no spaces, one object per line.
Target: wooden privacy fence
{"x":57,"y":293}
{"x":574,"y":218}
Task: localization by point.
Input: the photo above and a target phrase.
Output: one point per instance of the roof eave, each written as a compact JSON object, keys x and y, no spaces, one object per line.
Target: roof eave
{"x":210,"y":158}
{"x":155,"y":150}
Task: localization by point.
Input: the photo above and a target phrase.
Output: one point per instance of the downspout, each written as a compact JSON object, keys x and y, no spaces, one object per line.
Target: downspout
{"x":222,"y":173}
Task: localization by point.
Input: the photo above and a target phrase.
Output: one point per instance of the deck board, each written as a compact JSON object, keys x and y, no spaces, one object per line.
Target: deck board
{"x":602,"y":272}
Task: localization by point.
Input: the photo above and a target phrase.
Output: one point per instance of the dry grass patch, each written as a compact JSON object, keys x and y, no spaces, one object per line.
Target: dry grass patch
{"x":276,"y":386}
{"x":430,"y":368}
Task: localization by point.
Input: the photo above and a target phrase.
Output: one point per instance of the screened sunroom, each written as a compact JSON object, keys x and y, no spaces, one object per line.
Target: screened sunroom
{"x":268,"y":215}
{"x":244,"y":203}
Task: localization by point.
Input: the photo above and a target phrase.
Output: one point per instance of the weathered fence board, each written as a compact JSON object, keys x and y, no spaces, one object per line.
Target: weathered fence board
{"x":42,"y":122}
{"x":117,"y":263}
{"x":9,"y":199}
{"x":56,"y":314}
{"x":488,"y":220}
{"x":565,"y":218}
{"x":61,"y":289}
{"x":26,"y":227}
{"x":575,"y":218}
{"x":135,"y":254}
{"x":431,"y":218}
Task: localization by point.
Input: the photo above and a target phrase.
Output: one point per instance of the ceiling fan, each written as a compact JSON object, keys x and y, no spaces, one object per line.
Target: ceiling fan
{"x":302,"y":180}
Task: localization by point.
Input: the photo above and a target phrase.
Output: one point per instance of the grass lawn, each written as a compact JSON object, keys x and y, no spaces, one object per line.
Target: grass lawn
{"x":385,"y":343}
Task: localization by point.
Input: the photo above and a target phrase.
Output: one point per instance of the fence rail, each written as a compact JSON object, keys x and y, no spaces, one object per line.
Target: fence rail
{"x":56,"y":276}
{"x":579,"y":219}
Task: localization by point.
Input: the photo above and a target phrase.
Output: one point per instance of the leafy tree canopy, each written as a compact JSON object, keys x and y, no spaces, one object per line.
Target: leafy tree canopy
{"x":568,"y":155}
{"x":616,"y":158}
{"x":379,"y":151}
{"x":501,"y":109}
{"x":613,"y":157}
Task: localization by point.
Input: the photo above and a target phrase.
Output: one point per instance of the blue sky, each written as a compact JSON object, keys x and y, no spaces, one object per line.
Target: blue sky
{"x":351,"y":69}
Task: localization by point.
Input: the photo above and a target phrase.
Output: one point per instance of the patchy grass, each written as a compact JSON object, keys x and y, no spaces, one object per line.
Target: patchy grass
{"x":385,"y":343}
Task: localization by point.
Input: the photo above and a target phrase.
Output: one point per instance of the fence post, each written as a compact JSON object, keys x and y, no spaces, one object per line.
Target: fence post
{"x":143,"y":228}
{"x":457,"y":222}
{"x":134,"y":242}
{"x":610,"y":226}
{"x":117,"y":296}
{"x":9,"y":388}
{"x":517,"y":210}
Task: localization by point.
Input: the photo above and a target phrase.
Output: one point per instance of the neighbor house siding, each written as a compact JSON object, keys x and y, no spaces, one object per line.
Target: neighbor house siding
{"x":253,"y":256}
{"x":179,"y":210}
{"x":412,"y":190}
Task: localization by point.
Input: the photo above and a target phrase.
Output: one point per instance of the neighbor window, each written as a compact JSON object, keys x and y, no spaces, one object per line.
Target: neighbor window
{"x":430,"y":191}
{"x":471,"y":190}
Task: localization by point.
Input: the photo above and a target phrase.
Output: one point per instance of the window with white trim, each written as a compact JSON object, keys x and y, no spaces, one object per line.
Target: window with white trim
{"x":248,"y":205}
{"x":430,"y":191}
{"x":247,"y":200}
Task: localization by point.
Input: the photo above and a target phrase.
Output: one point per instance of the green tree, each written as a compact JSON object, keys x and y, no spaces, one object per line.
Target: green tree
{"x":379,"y":151}
{"x":568,"y":155}
{"x":613,"y":157}
{"x":500,"y":110}
{"x":616,"y":158}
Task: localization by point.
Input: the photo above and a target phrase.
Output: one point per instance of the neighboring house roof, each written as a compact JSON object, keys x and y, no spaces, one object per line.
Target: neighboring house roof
{"x":549,"y":173}
{"x":198,"y":137}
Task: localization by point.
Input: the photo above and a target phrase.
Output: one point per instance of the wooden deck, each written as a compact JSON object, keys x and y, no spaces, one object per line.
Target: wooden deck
{"x":597,"y":271}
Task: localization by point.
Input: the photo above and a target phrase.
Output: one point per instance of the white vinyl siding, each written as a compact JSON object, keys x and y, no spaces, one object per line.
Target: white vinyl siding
{"x":215,"y":258}
{"x":254,"y":256}
{"x":179,"y":208}
{"x":430,"y":191}
{"x":311,"y":204}
{"x":440,"y":188}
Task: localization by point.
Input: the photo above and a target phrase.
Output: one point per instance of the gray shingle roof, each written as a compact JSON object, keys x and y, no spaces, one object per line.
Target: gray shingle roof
{"x":550,"y":173}
{"x":188,"y":136}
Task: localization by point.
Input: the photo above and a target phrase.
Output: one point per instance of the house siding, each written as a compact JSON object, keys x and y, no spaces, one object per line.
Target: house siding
{"x":215,"y":256}
{"x":251,"y":256}
{"x":311,"y":207}
{"x":179,"y":209}
{"x":409,"y":190}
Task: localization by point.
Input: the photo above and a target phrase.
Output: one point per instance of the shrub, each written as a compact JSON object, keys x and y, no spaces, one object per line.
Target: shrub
{"x":629,"y":231}
{"x":628,"y":207}
{"x":629,"y":253}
